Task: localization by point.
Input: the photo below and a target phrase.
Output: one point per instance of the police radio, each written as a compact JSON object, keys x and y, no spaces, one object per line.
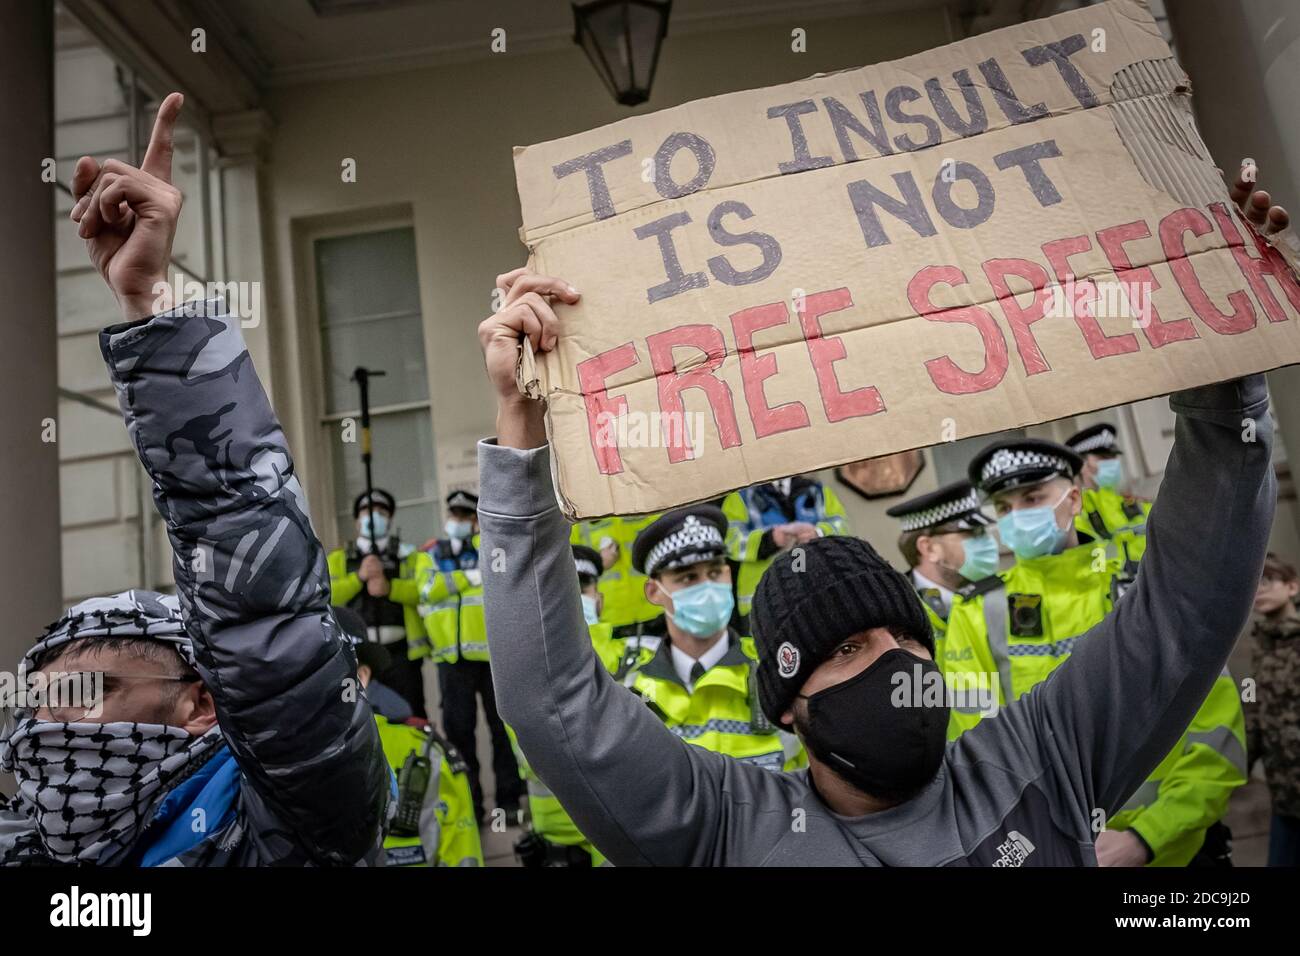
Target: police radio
{"x":412,"y":784}
{"x":389,"y":556}
{"x":1026,"y":614}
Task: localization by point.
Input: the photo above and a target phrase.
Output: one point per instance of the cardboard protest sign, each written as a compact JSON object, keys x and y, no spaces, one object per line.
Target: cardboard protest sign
{"x":1014,"y":228}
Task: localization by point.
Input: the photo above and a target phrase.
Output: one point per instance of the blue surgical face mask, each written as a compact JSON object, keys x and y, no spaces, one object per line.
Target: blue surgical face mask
{"x":1110,"y":472}
{"x":374,"y":526}
{"x":1033,"y":532}
{"x":589,"y":610}
{"x":702,"y":610}
{"x":458,"y":529}
{"x":981,"y":557}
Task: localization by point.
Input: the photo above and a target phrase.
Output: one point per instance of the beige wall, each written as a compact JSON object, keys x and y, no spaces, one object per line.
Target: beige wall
{"x":438,"y":142}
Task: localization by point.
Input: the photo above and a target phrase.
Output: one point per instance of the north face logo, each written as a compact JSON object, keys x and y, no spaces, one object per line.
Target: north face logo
{"x":1015,"y":850}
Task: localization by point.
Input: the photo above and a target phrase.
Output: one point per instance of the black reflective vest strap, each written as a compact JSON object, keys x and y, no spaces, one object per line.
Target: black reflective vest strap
{"x":386,"y":613}
{"x":1123,"y":580}
{"x":1098,"y":525}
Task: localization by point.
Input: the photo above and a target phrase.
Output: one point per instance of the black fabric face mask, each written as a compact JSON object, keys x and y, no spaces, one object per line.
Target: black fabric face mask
{"x":860,"y":731}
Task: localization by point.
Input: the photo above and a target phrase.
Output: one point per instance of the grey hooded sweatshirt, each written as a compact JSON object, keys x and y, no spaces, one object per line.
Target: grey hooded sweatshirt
{"x":1025,"y":788}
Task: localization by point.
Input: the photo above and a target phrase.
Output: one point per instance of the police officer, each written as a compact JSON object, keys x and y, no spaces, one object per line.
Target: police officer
{"x":1022,"y":623}
{"x":555,"y":839}
{"x":944,"y":542}
{"x":379,"y":577}
{"x":701,"y":680}
{"x":764,"y":520}
{"x":589,"y":565}
{"x":1107,"y":511}
{"x":626,"y":609}
{"x":453,"y":595}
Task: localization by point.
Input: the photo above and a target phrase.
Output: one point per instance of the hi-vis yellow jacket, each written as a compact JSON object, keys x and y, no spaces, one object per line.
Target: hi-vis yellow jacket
{"x":1066,"y":594}
{"x":448,"y":832}
{"x":1109,"y":515}
{"x":452,"y":602}
{"x":1009,"y":631}
{"x":622,"y":586}
{"x":1189,"y":790}
{"x":932,"y":601}
{"x":403,"y":590}
{"x":722,"y":713}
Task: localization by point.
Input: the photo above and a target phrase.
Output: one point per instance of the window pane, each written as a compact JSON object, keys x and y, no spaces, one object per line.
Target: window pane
{"x":393,"y":345}
{"x":370,"y":315}
{"x":370,"y":273}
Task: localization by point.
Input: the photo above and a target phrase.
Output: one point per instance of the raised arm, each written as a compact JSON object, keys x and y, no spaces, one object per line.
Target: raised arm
{"x":637,"y":792}
{"x":1108,"y":715}
{"x":250,"y":572}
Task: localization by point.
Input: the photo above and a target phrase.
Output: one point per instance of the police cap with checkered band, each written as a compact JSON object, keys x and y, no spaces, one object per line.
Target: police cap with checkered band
{"x":588,"y":563}
{"x":1101,"y":439}
{"x":681,"y":538}
{"x":955,"y":507}
{"x":1019,"y":462}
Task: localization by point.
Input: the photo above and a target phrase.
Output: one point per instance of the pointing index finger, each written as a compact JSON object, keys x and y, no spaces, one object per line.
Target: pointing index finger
{"x":158,"y":157}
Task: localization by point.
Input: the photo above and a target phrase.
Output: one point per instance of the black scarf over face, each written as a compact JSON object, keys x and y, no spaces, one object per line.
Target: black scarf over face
{"x":875,"y":733}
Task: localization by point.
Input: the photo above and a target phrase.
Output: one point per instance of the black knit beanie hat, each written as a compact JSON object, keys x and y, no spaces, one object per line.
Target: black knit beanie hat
{"x":814,"y":596}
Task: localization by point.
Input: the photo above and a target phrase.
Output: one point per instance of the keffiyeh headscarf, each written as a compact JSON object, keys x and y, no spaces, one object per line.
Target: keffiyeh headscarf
{"x":85,"y":788}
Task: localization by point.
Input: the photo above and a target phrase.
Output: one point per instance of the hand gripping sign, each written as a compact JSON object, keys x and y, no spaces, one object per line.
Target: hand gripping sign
{"x":1016,"y":227}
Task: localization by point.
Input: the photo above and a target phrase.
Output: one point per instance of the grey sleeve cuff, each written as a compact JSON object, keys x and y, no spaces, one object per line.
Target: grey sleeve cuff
{"x":1224,"y":403}
{"x":515,"y":482}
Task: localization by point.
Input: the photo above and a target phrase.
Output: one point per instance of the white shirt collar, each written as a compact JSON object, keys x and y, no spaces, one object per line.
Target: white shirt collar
{"x":683,"y":663}
{"x":783,"y":485}
{"x":922,"y":582}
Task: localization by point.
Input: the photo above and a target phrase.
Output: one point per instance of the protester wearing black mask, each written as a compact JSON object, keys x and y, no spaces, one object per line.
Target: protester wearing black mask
{"x":844,"y":657}
{"x":809,"y":612}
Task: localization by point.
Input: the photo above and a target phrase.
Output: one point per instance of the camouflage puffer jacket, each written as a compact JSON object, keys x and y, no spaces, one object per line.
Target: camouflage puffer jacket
{"x":1273,"y":721}
{"x":254,"y":592}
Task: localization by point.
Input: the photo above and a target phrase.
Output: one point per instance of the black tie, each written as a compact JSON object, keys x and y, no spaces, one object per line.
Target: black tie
{"x":697,"y":672}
